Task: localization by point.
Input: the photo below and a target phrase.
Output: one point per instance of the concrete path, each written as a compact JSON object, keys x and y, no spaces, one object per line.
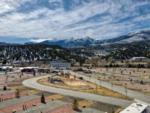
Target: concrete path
{"x":119,"y":89}
{"x":32,"y":83}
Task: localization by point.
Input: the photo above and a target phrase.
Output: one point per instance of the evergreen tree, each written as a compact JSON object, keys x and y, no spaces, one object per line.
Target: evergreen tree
{"x":43,"y":99}
{"x":75,"y":104}
{"x":5,"y":88}
{"x":17,"y":93}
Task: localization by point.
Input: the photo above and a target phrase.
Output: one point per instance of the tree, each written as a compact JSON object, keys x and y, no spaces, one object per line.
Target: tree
{"x":34,"y":73}
{"x":17,"y":93}
{"x":43,"y":99}
{"x":5,"y":88}
{"x":4,"y":62}
{"x":141,"y":82}
{"x":148,"y":65}
{"x":75,"y":104}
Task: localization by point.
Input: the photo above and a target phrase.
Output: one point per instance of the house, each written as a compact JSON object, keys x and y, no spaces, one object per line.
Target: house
{"x":60,"y":65}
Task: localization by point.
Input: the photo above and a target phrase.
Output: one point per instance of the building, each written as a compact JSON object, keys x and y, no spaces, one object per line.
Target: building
{"x":6,"y":68}
{"x":139,"y":59}
{"x":29,"y":70}
{"x":60,"y":65}
{"x":101,"y":53}
{"x":137,"y":108}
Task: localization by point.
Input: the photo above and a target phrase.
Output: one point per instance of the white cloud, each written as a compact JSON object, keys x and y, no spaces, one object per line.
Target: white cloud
{"x":46,"y":23}
{"x":37,"y":40}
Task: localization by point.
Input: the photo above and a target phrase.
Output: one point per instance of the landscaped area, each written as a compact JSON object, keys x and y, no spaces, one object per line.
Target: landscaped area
{"x":73,"y":83}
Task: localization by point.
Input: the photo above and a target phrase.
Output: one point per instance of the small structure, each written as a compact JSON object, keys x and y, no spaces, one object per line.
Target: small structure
{"x":137,"y":108}
{"x":60,"y":65}
{"x":54,"y":80}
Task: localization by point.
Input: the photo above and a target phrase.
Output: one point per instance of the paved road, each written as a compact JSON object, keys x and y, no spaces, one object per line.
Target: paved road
{"x":32,"y":83}
{"x":120,"y":89}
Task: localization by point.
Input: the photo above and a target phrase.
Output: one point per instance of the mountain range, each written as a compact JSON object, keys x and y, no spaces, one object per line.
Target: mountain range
{"x":86,"y":42}
{"x":71,"y":43}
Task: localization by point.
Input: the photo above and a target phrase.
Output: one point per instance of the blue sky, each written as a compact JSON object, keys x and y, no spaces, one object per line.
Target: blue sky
{"x":37,"y":20}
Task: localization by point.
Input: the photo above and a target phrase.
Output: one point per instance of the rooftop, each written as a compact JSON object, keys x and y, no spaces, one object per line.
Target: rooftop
{"x":45,"y":107}
{"x":135,"y":108}
{"x":62,"y":61}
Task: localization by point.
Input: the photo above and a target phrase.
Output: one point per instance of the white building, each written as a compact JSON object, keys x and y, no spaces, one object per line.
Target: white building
{"x":60,"y":65}
{"x":6,"y":68}
{"x":140,"y":59}
{"x":137,"y":108}
{"x":101,"y":53}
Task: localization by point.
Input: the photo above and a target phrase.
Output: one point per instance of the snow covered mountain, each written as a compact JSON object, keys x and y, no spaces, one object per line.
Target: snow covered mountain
{"x":132,"y":37}
{"x":86,"y":42}
{"x":71,"y":43}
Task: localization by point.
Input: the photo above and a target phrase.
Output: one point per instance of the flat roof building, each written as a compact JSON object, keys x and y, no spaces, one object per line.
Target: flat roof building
{"x":60,"y":65}
{"x":137,"y":108}
{"x":139,"y":59}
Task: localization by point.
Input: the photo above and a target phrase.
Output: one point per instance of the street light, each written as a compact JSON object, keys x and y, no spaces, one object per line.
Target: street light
{"x":126,"y":91}
{"x":111,"y":85}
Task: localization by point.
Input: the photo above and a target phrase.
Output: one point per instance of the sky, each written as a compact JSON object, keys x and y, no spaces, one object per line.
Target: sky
{"x":38,"y":20}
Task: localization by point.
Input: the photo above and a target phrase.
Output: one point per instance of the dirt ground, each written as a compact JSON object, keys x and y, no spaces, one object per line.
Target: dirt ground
{"x":132,"y":78}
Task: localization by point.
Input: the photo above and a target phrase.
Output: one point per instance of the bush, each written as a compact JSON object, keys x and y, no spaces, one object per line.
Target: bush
{"x":5,"y":88}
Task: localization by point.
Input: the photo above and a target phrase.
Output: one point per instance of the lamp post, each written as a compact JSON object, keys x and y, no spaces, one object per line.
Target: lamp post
{"x":111,"y":85}
{"x":126,"y":91}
